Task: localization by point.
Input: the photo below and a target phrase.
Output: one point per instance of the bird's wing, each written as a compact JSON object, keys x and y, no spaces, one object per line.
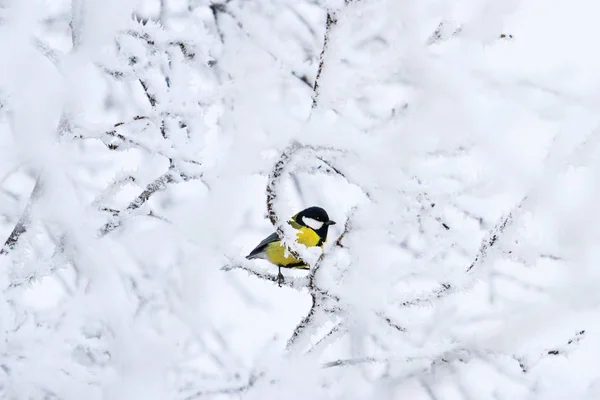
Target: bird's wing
{"x":273,"y":237}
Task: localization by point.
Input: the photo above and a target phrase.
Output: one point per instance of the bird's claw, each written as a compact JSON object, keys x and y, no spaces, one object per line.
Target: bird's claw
{"x":280,"y":279}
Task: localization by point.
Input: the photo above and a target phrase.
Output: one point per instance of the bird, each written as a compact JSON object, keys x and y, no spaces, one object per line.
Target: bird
{"x":312,"y":225}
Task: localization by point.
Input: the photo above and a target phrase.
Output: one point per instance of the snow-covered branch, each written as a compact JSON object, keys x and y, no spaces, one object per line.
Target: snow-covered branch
{"x":24,"y":221}
{"x":464,"y":259}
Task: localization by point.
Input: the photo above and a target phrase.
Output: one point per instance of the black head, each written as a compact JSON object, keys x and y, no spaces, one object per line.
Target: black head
{"x":315,"y":218}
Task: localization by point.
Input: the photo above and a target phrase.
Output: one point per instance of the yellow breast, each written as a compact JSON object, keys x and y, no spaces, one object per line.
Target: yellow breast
{"x":276,"y":252}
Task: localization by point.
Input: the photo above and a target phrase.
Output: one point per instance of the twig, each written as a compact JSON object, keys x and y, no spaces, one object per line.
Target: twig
{"x":335,"y":169}
{"x":565,"y":349}
{"x":111,"y":135}
{"x":117,"y":183}
{"x":55,"y":263}
{"x":330,"y":21}
{"x":151,"y":97}
{"x":304,"y":323}
{"x":446,"y":289}
{"x":216,"y":9}
{"x":390,"y":323}
{"x":47,"y":51}
{"x":437,"y":36}
{"x":229,"y":390}
{"x":426,"y":202}
{"x":221,"y":8}
{"x":493,"y":237}
{"x":449,"y":355}
{"x":23,"y":222}
{"x":336,"y":331}
{"x":158,"y":185}
{"x":353,"y":361}
{"x":292,"y":282}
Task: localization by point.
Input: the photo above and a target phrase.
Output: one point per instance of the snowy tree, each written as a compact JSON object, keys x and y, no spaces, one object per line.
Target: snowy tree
{"x":148,"y":146}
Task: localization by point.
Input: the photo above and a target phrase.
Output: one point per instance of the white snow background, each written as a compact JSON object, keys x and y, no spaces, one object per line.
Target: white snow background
{"x":455,"y":143}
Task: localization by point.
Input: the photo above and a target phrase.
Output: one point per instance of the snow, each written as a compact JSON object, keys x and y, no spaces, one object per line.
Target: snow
{"x":167,"y":138}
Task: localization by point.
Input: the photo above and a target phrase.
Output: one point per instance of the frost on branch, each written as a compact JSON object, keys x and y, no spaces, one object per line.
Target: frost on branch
{"x":134,"y":159}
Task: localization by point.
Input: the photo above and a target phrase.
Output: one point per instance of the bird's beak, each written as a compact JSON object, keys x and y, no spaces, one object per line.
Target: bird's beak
{"x":330,"y":223}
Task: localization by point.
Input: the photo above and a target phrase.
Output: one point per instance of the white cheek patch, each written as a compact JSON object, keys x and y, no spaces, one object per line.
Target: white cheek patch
{"x":312,"y":223}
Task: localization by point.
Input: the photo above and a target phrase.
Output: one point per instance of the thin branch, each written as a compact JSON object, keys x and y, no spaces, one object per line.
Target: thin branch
{"x":330,"y":21}
{"x":216,"y":9}
{"x":353,"y":361}
{"x":335,"y":169}
{"x":493,"y":237}
{"x":77,"y":22}
{"x":229,"y":390}
{"x":57,"y":261}
{"x":117,"y":184}
{"x":304,"y":323}
{"x":438,"y":35}
{"x":292,"y":282}
{"x":158,"y":185}
{"x":151,"y":98}
{"x":47,"y":51}
{"x":221,"y":8}
{"x":24,"y":221}
{"x":565,"y":349}
{"x":390,"y":323}
{"x":216,"y":392}
{"x":491,"y":240}
{"x":428,"y":389}
{"x":112,"y":144}
{"x":427,"y":203}
{"x":336,"y":331}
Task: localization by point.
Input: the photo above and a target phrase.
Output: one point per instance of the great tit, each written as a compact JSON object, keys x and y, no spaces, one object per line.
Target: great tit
{"x":312,"y":225}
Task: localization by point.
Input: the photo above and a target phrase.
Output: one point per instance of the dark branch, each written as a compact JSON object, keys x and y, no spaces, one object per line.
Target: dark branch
{"x":446,"y":289}
{"x":117,"y":141}
{"x":295,"y":283}
{"x":438,"y":36}
{"x":353,"y":361}
{"x":220,"y":8}
{"x":150,"y":96}
{"x":390,"y":323}
{"x":565,"y":349}
{"x":23,"y":222}
{"x":493,"y":237}
{"x":304,"y":323}
{"x":339,"y":328}
{"x":158,"y":185}
{"x":330,"y":21}
{"x":229,"y":390}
